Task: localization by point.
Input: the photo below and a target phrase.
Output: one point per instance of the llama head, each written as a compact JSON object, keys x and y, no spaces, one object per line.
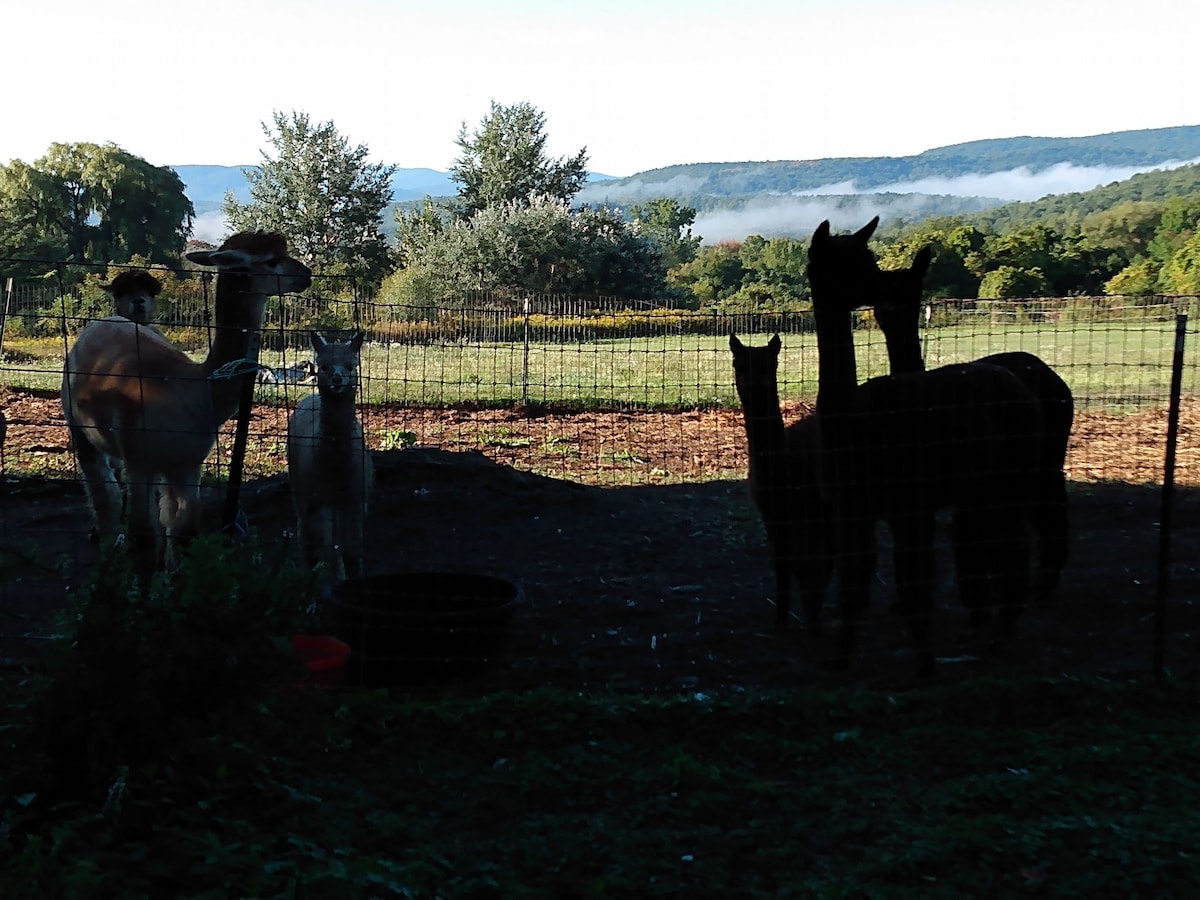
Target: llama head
{"x":898,"y":302}
{"x":754,"y":367}
{"x":842,"y":271}
{"x":262,"y":258}
{"x":337,"y":364}
{"x":134,"y":295}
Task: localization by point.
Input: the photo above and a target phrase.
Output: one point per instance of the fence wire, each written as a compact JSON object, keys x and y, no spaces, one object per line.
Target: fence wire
{"x":594,"y":391}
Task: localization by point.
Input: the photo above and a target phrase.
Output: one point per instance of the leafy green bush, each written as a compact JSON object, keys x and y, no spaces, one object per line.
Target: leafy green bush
{"x":136,"y":670}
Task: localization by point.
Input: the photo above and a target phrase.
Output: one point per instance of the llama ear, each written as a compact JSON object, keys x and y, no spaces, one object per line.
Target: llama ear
{"x":356,"y":342}
{"x":922,"y":260}
{"x":822,"y":232}
{"x":734,"y":344}
{"x":864,"y":233}
{"x":775,"y":343}
{"x":220,"y":259}
{"x":317,"y":341}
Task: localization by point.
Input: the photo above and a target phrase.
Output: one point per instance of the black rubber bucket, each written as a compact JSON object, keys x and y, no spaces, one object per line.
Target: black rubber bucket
{"x":421,"y":627}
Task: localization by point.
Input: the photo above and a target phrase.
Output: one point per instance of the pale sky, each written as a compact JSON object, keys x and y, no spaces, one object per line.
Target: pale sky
{"x":639,"y":83}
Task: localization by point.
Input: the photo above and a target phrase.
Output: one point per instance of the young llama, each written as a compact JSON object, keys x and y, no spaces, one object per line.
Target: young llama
{"x":897,"y":312}
{"x":135,"y":296}
{"x":784,"y":485}
{"x":783,"y":473}
{"x":901,"y":447}
{"x":132,"y":397}
{"x":329,"y":465}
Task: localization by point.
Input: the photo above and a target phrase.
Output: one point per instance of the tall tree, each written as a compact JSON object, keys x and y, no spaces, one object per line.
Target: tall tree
{"x":541,"y":246}
{"x":93,"y":203}
{"x":323,"y":195}
{"x":505,"y":161}
{"x":670,"y":224}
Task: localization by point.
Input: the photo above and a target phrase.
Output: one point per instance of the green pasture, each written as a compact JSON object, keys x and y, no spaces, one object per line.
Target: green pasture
{"x":997,"y":789}
{"x":1121,"y":364}
{"x":164,"y":749}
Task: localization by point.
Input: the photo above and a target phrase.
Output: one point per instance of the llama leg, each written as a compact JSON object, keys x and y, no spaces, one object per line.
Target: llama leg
{"x":780,"y":545}
{"x":1012,"y":569}
{"x":855,"y":566}
{"x":1053,"y":529}
{"x":971,"y":563}
{"x":143,"y":527}
{"x":352,"y":518}
{"x":352,"y":540}
{"x":307,"y":530}
{"x":916,"y":575}
{"x":101,"y":486}
{"x":812,"y":567}
{"x":315,"y":530}
{"x":179,"y":500}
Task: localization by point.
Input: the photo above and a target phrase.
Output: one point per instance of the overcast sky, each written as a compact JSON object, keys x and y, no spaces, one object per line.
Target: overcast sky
{"x":639,"y":83}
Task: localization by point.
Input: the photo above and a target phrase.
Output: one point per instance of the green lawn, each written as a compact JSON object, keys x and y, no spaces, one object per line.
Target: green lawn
{"x":1059,"y":788}
{"x":1122,"y":363}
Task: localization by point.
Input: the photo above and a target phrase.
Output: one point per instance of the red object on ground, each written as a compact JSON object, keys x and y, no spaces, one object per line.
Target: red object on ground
{"x":324,"y":658}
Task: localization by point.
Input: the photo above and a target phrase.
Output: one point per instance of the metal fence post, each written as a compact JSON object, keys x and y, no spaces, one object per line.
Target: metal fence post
{"x":241,"y":435}
{"x":8,"y":292}
{"x":525,"y":361}
{"x":1168,"y":497}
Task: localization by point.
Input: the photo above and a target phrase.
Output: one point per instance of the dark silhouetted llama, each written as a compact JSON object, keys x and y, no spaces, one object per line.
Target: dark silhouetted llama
{"x":897,"y":312}
{"x":783,"y":484}
{"x":899,"y":448}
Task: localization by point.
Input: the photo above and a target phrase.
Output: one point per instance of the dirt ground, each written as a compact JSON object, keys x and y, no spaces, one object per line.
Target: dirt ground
{"x":642,"y":559}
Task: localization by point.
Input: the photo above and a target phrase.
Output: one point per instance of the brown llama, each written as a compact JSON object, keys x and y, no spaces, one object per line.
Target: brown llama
{"x":329,"y":465}
{"x":897,"y":312}
{"x":131,"y":396}
{"x":902,"y":447}
{"x":135,"y":295}
{"x":784,"y":485}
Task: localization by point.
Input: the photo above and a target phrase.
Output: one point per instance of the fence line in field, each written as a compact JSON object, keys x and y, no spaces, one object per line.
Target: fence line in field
{"x":541,"y":348}
{"x":499,"y":351}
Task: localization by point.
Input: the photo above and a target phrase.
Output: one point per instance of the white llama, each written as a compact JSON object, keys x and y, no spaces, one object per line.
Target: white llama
{"x":329,"y":465}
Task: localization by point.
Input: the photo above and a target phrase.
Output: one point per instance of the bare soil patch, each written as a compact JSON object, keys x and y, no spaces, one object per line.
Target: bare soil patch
{"x":642,"y":558}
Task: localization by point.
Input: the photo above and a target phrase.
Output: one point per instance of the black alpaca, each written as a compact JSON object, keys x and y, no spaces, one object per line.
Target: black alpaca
{"x":897,"y":312}
{"x":901,"y":447}
{"x":783,"y":484}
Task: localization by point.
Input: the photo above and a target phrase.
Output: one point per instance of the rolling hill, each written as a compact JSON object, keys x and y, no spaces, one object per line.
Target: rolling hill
{"x":789,"y":197}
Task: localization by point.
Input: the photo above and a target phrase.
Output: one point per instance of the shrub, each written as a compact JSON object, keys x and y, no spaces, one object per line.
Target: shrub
{"x":134,"y":671}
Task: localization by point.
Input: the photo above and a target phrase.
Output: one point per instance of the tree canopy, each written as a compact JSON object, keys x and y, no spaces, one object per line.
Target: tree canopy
{"x":505,"y":161}
{"x":512,"y":227}
{"x":323,"y":195}
{"x":92,"y":203}
{"x":540,"y":246}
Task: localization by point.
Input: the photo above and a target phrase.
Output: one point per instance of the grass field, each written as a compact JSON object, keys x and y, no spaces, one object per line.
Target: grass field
{"x":1051,"y":788}
{"x":1122,"y":364}
{"x":158,"y":757}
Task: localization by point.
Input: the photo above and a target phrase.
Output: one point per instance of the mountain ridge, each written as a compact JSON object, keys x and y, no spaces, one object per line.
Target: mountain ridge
{"x":1137,"y":148}
{"x":789,"y":197}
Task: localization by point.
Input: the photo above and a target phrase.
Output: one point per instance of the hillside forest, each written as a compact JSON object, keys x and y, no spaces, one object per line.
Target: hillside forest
{"x":516,"y":226}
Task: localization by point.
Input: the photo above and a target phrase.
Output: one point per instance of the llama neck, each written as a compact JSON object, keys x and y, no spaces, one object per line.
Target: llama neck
{"x":335,"y":415}
{"x":239,"y":313}
{"x":904,"y":354}
{"x":837,"y":370}
{"x":904,"y":349}
{"x":764,"y":424}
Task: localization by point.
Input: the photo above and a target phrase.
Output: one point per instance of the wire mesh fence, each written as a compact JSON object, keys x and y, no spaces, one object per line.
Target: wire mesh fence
{"x":608,"y":394}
